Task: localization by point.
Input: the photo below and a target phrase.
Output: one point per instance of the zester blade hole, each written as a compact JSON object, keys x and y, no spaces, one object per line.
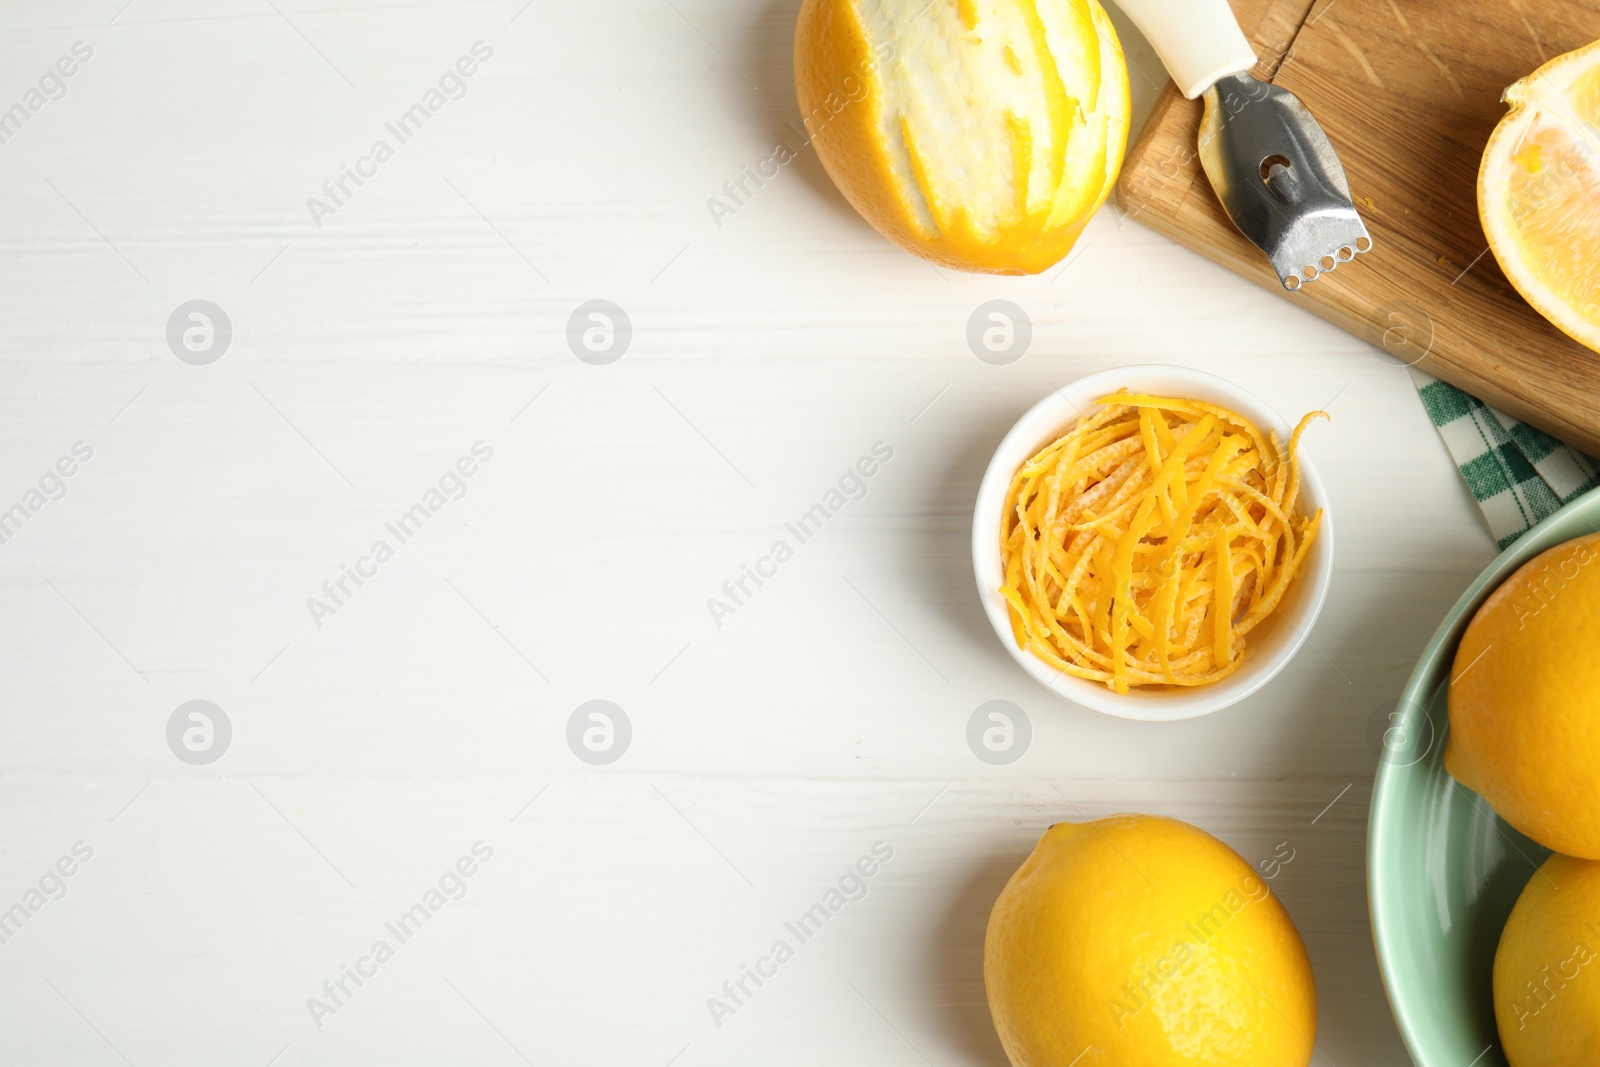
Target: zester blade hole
{"x":1273,"y":161}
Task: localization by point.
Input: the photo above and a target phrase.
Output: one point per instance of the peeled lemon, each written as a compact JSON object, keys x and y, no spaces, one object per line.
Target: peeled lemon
{"x":981,"y":134}
{"x":1547,"y":969}
{"x":1524,"y":700}
{"x":1539,"y":191}
{"x":1141,"y":940}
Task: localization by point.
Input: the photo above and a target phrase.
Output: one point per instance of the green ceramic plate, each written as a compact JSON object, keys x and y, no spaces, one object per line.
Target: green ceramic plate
{"x":1442,"y":869}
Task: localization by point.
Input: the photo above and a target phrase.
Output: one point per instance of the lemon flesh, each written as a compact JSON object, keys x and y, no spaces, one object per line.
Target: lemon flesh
{"x":1539,"y":192}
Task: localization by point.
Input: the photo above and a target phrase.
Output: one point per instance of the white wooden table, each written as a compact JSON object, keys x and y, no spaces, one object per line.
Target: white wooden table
{"x":377,"y":740}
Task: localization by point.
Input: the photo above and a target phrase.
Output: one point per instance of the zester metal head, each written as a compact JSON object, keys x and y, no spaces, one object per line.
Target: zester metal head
{"x":1279,"y":178}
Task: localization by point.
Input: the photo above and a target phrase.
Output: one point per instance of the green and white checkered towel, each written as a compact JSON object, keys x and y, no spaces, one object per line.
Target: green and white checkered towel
{"x":1517,"y":474}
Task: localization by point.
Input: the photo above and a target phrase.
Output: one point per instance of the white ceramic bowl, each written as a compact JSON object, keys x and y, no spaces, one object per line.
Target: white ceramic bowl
{"x":1271,"y":645}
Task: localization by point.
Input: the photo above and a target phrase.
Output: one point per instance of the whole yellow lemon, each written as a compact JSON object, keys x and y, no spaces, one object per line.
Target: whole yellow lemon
{"x":1142,"y":940}
{"x":981,"y":134}
{"x":1547,"y":969}
{"x":1525,"y":700}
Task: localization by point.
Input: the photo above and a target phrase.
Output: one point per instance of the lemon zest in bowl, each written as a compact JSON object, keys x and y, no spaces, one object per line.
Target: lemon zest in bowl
{"x":1142,"y":545}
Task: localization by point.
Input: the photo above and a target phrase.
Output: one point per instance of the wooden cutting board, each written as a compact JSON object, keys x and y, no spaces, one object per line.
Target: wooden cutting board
{"x":1408,"y":91}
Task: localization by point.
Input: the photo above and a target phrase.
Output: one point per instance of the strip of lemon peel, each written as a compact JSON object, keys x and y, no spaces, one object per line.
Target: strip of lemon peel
{"x":1142,"y":545}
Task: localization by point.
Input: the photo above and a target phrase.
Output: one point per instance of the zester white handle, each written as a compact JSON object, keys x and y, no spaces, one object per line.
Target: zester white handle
{"x":1198,"y":40}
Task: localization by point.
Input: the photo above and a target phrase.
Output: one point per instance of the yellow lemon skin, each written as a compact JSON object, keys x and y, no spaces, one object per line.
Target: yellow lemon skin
{"x":1547,"y":969}
{"x":980,"y":134}
{"x":1143,"y":940}
{"x":1525,"y":700}
{"x":1539,"y":192}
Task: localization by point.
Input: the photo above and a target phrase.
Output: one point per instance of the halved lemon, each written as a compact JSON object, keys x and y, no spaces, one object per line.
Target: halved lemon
{"x":1539,"y":191}
{"x":980,"y":134}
